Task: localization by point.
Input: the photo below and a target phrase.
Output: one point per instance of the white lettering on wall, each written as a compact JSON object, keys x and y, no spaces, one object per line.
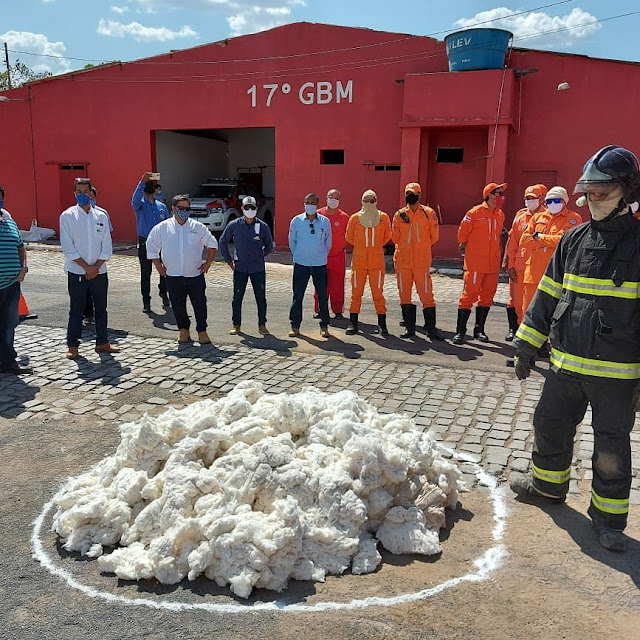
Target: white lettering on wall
{"x":322,"y":92}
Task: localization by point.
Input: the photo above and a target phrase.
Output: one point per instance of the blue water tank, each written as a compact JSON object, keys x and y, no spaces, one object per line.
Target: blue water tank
{"x":475,"y":49}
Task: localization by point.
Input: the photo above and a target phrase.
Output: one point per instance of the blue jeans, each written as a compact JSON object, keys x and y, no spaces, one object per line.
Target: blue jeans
{"x":301,"y":275}
{"x":9,"y":299}
{"x":178,"y":289}
{"x":78,"y":287}
{"x":259,"y":285}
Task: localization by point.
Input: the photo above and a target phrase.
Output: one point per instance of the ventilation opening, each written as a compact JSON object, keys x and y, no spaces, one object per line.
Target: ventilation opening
{"x":387,"y":167}
{"x":451,"y":155}
{"x":73,"y":167}
{"x":332,"y":156}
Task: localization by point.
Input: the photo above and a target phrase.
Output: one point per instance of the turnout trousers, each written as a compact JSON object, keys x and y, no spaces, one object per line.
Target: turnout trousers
{"x":478,"y":288}
{"x":516,"y":290}
{"x":560,"y":410}
{"x":376,"y":284}
{"x":424,"y":287}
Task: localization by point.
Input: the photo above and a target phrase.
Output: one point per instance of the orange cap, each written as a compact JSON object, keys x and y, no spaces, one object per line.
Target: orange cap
{"x":534,"y":190}
{"x":491,"y":187}
{"x":412,"y":187}
{"x":543,"y":189}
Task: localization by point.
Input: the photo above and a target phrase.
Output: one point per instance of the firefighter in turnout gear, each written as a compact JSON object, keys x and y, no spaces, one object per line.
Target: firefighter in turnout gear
{"x":479,"y":241}
{"x":414,"y":231}
{"x":588,"y":305}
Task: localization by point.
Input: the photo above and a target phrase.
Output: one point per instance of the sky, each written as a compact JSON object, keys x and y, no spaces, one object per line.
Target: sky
{"x":66,"y":34}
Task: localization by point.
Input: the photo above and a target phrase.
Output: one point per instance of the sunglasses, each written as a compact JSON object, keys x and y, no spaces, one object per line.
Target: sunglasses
{"x":498,"y":193}
{"x":179,"y":208}
{"x":312,"y":228}
{"x":249,"y":207}
{"x":554,"y":200}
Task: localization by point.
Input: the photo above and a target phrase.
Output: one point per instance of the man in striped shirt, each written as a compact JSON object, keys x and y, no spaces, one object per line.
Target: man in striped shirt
{"x":13,"y":268}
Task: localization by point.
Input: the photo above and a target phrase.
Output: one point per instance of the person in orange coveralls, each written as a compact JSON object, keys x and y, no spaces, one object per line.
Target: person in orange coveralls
{"x":479,"y":240}
{"x":414,"y":231}
{"x":337,"y":258}
{"x":515,"y":257}
{"x":368,"y":231}
{"x":543,"y":233}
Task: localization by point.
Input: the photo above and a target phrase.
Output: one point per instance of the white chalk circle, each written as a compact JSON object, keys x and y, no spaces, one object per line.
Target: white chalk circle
{"x":485,"y":565}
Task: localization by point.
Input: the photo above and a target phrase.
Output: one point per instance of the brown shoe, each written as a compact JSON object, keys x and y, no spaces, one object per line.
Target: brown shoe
{"x":294,"y":332}
{"x":16,"y":369}
{"x":324,"y":332}
{"x":107,"y":348}
{"x":203,"y":337}
{"x":263,"y":331}
{"x":72,"y":353}
{"x":236,"y":331}
{"x":184,"y":336}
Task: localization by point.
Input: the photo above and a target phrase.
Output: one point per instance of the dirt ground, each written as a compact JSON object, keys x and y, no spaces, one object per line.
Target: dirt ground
{"x":556,"y":582}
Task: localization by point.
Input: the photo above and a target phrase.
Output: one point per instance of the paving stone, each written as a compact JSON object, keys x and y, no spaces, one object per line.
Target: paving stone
{"x":519,"y":464}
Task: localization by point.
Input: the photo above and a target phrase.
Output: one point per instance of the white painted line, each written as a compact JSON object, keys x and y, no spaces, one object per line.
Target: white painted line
{"x":485,"y":565}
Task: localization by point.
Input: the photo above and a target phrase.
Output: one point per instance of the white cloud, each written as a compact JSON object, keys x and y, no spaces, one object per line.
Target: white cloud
{"x":119,"y":10}
{"x":36,"y":43}
{"x":243,"y":16}
{"x":142,"y":33}
{"x":544,"y":26}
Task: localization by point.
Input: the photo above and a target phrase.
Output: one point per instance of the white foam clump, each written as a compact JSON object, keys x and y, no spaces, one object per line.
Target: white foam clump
{"x":255,"y":489}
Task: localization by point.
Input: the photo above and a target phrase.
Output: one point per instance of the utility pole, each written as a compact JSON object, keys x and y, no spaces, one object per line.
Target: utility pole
{"x":6,"y":59}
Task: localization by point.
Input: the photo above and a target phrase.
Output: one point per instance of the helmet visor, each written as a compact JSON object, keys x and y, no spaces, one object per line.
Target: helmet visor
{"x":603,"y":189}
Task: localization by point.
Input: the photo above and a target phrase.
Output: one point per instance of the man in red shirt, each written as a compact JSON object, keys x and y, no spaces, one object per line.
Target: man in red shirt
{"x":337,"y":259}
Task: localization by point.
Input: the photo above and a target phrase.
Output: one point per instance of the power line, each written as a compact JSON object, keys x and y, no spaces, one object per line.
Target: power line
{"x":301,"y":55}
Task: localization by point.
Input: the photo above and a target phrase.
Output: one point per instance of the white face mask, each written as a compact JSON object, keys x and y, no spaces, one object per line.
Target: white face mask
{"x":249,"y":213}
{"x":333,"y":203}
{"x":555,"y":207}
{"x":600,"y":209}
{"x":310,"y":209}
{"x":532,"y":205}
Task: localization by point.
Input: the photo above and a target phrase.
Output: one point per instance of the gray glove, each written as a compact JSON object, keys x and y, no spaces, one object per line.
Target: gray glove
{"x":522,"y":364}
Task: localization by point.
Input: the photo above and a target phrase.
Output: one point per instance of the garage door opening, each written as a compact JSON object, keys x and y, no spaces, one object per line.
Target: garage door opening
{"x":217,"y":168}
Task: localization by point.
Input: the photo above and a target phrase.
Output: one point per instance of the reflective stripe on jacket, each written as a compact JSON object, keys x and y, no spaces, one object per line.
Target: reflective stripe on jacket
{"x":588,"y":302}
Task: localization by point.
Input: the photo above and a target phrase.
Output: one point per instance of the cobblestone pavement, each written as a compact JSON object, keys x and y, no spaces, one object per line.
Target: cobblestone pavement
{"x":485,"y":414}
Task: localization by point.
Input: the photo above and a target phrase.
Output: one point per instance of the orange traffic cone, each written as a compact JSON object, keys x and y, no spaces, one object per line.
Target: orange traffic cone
{"x":23,"y":310}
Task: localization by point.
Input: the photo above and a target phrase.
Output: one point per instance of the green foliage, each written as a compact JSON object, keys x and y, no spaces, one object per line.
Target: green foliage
{"x":21,"y":74}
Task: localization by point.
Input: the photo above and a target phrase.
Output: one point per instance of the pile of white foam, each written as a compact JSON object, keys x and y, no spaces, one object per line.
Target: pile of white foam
{"x":254,"y":489}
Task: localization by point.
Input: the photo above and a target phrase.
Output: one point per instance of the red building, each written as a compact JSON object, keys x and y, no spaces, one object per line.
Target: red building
{"x":307,"y":107}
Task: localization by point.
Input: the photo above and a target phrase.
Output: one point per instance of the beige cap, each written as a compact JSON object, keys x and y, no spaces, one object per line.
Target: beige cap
{"x":557,"y":192}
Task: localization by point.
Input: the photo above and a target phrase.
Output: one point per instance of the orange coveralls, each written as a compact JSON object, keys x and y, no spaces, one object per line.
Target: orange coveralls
{"x":516,"y":257}
{"x":368,"y":260}
{"x":480,"y":230}
{"x":550,"y":228}
{"x":412,"y":258}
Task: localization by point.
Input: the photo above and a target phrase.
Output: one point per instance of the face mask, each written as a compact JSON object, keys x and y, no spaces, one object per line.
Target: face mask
{"x":555,"y":207}
{"x":250,"y":213}
{"x":370,"y":216}
{"x":181,"y":215}
{"x":532,"y":205}
{"x":411,"y":198}
{"x":83,"y":199}
{"x":600,"y":209}
{"x":150,"y":189}
{"x":333,"y":203}
{"x":499,"y":201}
{"x":93,"y":202}
{"x":1,"y":204}
{"x":310,"y":209}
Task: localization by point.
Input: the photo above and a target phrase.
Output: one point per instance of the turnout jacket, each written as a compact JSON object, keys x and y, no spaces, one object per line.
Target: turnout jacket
{"x":588,"y":303}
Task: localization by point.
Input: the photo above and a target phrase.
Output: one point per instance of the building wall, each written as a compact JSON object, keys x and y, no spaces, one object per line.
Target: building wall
{"x":397,"y":102}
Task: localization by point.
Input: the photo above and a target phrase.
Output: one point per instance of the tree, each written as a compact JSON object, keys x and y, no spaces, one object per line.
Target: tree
{"x":21,"y":74}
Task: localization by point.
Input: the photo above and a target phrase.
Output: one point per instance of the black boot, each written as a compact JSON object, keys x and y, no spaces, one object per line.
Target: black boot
{"x":478,"y":330}
{"x":409,"y":317}
{"x":382,"y":324}
{"x":512,"y":317}
{"x":461,"y":326}
{"x":353,"y":324}
{"x":433,"y":332}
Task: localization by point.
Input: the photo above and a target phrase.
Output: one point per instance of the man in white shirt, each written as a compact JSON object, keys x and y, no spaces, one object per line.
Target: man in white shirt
{"x":86,"y":242}
{"x":182,"y":243}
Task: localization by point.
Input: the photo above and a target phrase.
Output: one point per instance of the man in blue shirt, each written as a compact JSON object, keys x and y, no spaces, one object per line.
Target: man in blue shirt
{"x":252,"y":241}
{"x":309,"y":241}
{"x":13,"y":268}
{"x":149,"y":212}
